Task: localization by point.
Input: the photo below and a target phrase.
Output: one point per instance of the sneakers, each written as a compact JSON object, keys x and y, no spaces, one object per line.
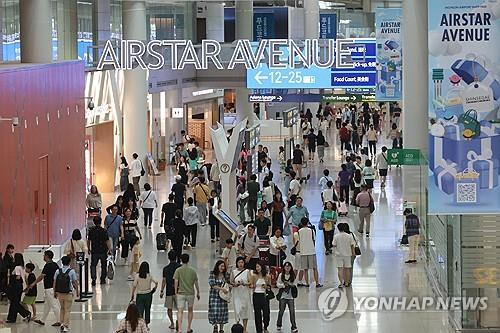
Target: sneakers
{"x":410,"y":261}
{"x":39,"y":322}
{"x":130,"y":278}
{"x":56,"y":324}
{"x":93,"y":283}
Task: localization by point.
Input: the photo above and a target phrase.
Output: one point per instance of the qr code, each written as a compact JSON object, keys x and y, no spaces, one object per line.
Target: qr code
{"x":466,"y":193}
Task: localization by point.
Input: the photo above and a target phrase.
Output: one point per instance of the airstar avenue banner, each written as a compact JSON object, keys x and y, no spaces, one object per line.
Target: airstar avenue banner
{"x":464,"y":95}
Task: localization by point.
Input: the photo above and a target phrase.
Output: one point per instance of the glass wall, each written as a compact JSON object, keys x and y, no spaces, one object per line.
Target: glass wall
{"x":9,"y":31}
{"x":168,"y":21}
{"x":84,"y":26}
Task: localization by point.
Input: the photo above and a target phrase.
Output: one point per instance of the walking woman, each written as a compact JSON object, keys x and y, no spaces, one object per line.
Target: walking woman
{"x":218,"y":313}
{"x":287,"y":294}
{"x":240,"y":280}
{"x":277,"y":211}
{"x":143,"y":293}
{"x":327,"y":223}
{"x":124,"y":171}
{"x":288,"y":178}
{"x":147,"y":200}
{"x":132,"y":205}
{"x":357,"y":181}
{"x":128,"y":195}
{"x":93,"y":202}
{"x":128,"y":231}
{"x":182,"y":170}
{"x":132,"y":323}
{"x":15,"y":291}
{"x":320,"y":145}
{"x":260,"y":281}
{"x":75,"y":244}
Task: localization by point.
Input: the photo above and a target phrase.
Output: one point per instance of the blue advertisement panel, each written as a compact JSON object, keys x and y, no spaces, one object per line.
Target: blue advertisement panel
{"x":363,"y":75}
{"x":464,"y":95}
{"x":328,"y":26}
{"x":263,"y":26}
{"x":389,"y":54}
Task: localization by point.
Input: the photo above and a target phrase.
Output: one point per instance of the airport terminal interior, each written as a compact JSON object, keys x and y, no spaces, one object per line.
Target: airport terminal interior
{"x":250,"y":166}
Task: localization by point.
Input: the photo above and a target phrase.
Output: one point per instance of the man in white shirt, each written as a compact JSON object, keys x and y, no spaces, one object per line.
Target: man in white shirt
{"x":325,"y":179}
{"x":136,"y":173}
{"x":306,"y":243}
{"x":294,"y":188}
{"x":382,"y":165}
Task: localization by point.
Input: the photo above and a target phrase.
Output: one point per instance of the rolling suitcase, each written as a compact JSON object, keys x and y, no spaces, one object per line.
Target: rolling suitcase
{"x":161,"y":241}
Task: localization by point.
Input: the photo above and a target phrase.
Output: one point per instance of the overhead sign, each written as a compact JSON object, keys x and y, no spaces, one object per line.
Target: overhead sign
{"x":360,"y":74}
{"x":389,"y":53}
{"x":290,"y":117}
{"x":463,"y":95}
{"x":403,"y":157}
{"x":263,"y":26}
{"x":288,"y":98}
{"x":328,"y":26}
{"x":348,"y":98}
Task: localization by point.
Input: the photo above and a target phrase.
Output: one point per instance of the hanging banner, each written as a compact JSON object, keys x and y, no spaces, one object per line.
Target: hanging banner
{"x":464,"y":94}
{"x":263,"y":26}
{"x":389,"y":54}
{"x":328,"y":26}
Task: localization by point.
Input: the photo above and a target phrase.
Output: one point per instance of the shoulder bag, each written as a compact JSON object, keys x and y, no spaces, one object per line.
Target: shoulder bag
{"x":372,"y":204}
{"x":226,"y":296}
{"x":357,"y":250}
{"x":143,"y":172}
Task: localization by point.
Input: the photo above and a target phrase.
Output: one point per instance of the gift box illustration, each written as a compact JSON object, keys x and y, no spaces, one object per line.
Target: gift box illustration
{"x":444,"y":176}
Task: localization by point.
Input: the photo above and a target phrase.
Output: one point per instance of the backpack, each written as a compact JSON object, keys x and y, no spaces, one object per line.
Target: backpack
{"x":244,"y":238}
{"x":344,"y":133}
{"x":63,"y":282}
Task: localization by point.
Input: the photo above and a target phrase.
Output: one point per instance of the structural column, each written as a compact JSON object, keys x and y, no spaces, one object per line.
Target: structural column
{"x":311,"y":31}
{"x":101,"y":13}
{"x":67,"y":30}
{"x":35,"y":18}
{"x":415,"y":88}
{"x":215,"y":21}
{"x":244,"y":30}
{"x":135,"y":119}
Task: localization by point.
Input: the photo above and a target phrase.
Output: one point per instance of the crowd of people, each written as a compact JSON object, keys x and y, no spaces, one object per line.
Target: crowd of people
{"x":275,"y":250}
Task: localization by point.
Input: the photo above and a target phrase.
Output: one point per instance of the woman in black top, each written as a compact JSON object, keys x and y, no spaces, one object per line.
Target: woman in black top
{"x":320,"y":143}
{"x":128,"y":230}
{"x":118,"y":203}
{"x":129,"y":194}
{"x":15,"y":291}
{"x":132,"y":205}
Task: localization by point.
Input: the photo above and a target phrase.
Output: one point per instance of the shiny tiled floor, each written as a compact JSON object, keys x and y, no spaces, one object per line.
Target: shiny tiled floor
{"x":379,"y":271}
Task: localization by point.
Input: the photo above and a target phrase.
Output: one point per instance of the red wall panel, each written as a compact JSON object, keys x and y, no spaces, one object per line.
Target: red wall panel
{"x":41,"y":96}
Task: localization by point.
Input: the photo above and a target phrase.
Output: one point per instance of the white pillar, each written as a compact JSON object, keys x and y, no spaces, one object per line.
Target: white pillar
{"x":67,"y":30}
{"x":244,"y":19}
{"x":415,"y":90}
{"x":35,"y":18}
{"x":244,"y":30}
{"x":415,"y":74}
{"x":311,"y":19}
{"x":215,"y":21}
{"x":135,"y":119}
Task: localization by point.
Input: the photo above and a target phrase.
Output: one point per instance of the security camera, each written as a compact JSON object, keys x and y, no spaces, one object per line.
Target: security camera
{"x":15,"y":121}
{"x":90,"y":105}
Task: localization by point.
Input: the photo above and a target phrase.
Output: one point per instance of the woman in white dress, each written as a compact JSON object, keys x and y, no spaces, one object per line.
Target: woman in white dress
{"x":240,"y":279}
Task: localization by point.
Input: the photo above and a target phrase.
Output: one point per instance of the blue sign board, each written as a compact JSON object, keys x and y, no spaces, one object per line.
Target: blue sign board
{"x":328,"y":26}
{"x":363,"y":75}
{"x":263,"y":26}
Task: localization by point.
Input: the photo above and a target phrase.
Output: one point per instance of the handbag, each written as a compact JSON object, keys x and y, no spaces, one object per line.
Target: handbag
{"x":372,"y":204}
{"x":357,"y":250}
{"x":226,"y":296}
{"x":269,"y":294}
{"x":472,"y":127}
{"x":111,"y":268}
{"x":404,"y":240}
{"x":143,"y":172}
{"x":293,"y":250}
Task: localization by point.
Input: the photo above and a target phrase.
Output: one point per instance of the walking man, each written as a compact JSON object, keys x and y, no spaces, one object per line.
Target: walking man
{"x":98,"y":244}
{"x":363,"y":200}
{"x":185,"y":283}
{"x":49,"y":270}
{"x":136,"y":171}
{"x":113,"y":223}
{"x":65,"y":284}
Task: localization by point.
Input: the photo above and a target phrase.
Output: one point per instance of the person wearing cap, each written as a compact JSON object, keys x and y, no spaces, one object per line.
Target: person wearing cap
{"x":179,"y":190}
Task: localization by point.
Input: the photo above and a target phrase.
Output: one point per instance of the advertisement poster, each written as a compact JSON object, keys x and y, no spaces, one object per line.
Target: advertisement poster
{"x":464,"y":95}
{"x":263,"y":26}
{"x":328,"y":26}
{"x":389,"y":54}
